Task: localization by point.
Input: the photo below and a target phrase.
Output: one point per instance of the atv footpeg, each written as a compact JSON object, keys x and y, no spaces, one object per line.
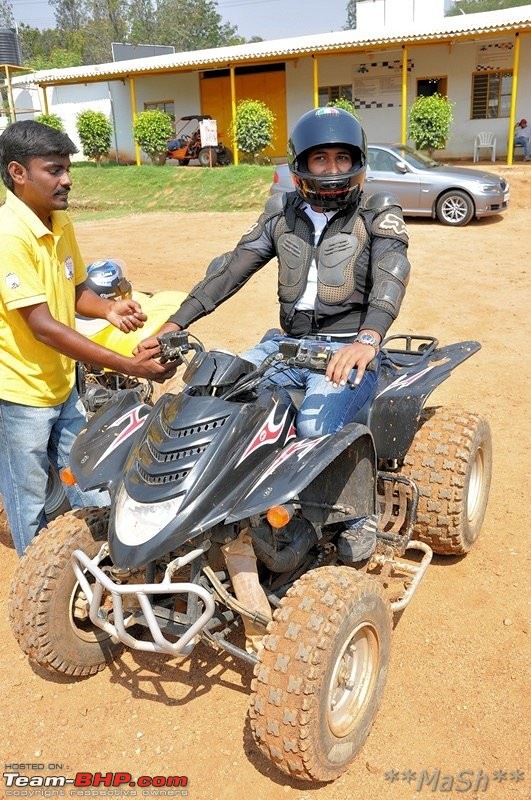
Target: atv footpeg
{"x":398,"y":501}
{"x":404,"y":575}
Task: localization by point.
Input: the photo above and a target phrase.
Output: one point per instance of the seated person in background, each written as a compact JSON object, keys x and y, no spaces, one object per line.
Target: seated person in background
{"x":522,"y":137}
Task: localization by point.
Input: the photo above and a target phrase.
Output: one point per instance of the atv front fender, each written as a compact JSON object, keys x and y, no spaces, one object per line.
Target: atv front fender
{"x":99,"y":453}
{"x":334,"y":477}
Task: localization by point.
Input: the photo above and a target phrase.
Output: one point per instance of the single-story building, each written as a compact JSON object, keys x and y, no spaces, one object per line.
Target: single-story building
{"x":398,"y":51}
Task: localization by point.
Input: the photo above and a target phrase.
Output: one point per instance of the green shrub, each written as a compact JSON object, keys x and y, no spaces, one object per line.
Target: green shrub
{"x":95,"y":133}
{"x":429,"y":122}
{"x":253,"y":128}
{"x":151,"y":131}
{"x":52,"y":120}
{"x":345,"y":104}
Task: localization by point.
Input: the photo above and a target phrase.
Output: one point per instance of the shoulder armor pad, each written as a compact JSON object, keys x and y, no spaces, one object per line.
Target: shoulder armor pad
{"x":380,"y":200}
{"x":275,"y":204}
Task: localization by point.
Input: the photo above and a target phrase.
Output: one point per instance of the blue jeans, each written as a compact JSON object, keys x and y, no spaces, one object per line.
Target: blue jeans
{"x":30,"y":438}
{"x":525,"y":143}
{"x":325,"y":409}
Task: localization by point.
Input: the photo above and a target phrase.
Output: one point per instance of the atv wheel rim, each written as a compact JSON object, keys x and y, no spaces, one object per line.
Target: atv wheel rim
{"x":78,"y":617}
{"x":353,"y":680}
{"x":474,"y":501}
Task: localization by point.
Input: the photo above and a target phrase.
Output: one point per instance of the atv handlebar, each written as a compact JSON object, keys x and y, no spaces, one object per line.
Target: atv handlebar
{"x":176,"y":344}
{"x":310,"y":354}
{"x":307,"y":354}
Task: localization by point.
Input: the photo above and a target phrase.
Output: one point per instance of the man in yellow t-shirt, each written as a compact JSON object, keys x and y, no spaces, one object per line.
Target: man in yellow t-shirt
{"x":41,"y":287}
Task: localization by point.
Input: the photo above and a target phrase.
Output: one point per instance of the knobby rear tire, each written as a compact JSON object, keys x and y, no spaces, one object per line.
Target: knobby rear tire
{"x":450,"y":460}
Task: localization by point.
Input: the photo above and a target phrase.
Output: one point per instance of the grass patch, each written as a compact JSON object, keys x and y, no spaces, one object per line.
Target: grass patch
{"x":112,"y":190}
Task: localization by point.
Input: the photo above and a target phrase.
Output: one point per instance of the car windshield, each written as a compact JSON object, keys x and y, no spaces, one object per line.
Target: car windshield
{"x":417,"y":159}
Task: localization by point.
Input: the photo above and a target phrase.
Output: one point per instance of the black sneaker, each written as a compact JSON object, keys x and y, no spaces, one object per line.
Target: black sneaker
{"x":358,"y":541}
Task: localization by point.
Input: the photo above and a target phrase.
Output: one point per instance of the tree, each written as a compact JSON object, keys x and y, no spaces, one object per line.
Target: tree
{"x":345,"y":104}
{"x":351,"y":15}
{"x":95,"y":133}
{"x":151,"y":131}
{"x":70,"y":15}
{"x":142,"y":22}
{"x":7,"y":19}
{"x":253,"y":128}
{"x":429,"y":122}
{"x":52,"y":120}
{"x":476,"y":6}
{"x":193,"y":25}
{"x":50,"y":48}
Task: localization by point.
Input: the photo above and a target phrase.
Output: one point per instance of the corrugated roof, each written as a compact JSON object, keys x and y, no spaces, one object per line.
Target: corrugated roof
{"x":454,"y":28}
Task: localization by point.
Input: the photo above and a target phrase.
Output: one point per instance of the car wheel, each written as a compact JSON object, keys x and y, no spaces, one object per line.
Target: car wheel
{"x":455,"y":208}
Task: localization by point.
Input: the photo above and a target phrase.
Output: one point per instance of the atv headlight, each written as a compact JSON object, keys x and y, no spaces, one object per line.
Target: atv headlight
{"x":136,"y":523}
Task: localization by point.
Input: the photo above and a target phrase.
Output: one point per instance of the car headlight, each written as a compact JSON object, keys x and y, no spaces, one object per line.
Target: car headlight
{"x":136,"y":523}
{"x":491,"y":188}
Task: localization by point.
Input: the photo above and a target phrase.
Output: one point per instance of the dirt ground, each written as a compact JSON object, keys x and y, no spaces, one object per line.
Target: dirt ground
{"x":457,"y":697}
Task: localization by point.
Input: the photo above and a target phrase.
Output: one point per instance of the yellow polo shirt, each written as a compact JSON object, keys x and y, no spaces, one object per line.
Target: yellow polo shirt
{"x":36,"y":266}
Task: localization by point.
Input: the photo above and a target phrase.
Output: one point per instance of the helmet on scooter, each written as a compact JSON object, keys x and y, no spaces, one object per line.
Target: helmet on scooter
{"x":328,"y":127}
{"x":107,"y":279}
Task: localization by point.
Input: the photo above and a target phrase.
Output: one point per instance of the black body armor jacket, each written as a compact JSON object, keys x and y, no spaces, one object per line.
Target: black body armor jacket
{"x":362,"y":267}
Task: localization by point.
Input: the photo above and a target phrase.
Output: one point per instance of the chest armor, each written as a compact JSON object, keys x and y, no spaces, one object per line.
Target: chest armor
{"x":342,"y":258}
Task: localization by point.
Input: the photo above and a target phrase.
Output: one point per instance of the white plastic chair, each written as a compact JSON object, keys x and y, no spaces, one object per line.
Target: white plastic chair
{"x":485,"y":140}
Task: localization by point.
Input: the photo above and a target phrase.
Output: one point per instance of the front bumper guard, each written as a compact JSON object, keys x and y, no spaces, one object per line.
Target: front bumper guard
{"x":82,"y":565}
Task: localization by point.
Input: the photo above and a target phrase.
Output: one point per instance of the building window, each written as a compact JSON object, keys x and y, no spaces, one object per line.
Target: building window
{"x":491,"y":94}
{"x":328,"y":94}
{"x":161,"y":105}
{"x":426,"y":87}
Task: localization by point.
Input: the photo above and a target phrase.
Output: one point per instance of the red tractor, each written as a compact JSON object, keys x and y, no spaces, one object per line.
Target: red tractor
{"x":187,"y":144}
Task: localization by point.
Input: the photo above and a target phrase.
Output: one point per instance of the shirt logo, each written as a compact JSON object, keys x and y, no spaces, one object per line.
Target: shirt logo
{"x":12,"y":280}
{"x":69,"y":268}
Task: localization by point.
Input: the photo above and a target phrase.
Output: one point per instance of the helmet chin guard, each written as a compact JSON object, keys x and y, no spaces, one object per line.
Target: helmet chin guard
{"x":330,"y":192}
{"x":328,"y":127}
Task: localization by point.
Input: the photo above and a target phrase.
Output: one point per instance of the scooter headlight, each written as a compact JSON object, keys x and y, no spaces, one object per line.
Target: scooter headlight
{"x":136,"y":523}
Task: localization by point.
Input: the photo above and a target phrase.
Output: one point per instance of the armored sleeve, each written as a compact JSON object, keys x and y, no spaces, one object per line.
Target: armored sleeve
{"x":390,"y":266}
{"x":227,"y":273}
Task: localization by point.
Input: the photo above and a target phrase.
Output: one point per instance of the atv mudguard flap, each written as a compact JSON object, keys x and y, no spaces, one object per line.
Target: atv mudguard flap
{"x":99,"y":453}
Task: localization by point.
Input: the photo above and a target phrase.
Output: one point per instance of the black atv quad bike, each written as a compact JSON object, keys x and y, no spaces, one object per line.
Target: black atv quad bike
{"x":223,"y":531}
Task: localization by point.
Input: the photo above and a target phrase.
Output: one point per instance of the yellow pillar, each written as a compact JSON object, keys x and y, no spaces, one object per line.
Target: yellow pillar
{"x":514,"y":97}
{"x":12,"y":109}
{"x":315,"y":82}
{"x":233,"y":107}
{"x":403,"y":125}
{"x":132,"y":91}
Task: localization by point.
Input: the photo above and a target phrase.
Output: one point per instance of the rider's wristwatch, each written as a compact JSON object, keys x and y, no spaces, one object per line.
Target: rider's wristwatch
{"x":367,"y":338}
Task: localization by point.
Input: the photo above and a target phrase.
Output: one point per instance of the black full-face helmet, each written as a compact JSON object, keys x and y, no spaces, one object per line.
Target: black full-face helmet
{"x":107,"y":279}
{"x":332,"y":127}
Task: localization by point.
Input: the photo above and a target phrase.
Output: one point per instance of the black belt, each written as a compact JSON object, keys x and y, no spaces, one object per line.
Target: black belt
{"x":347,"y":338}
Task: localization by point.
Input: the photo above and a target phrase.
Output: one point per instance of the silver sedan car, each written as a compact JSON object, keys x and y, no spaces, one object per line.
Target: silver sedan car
{"x":425,"y":187}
